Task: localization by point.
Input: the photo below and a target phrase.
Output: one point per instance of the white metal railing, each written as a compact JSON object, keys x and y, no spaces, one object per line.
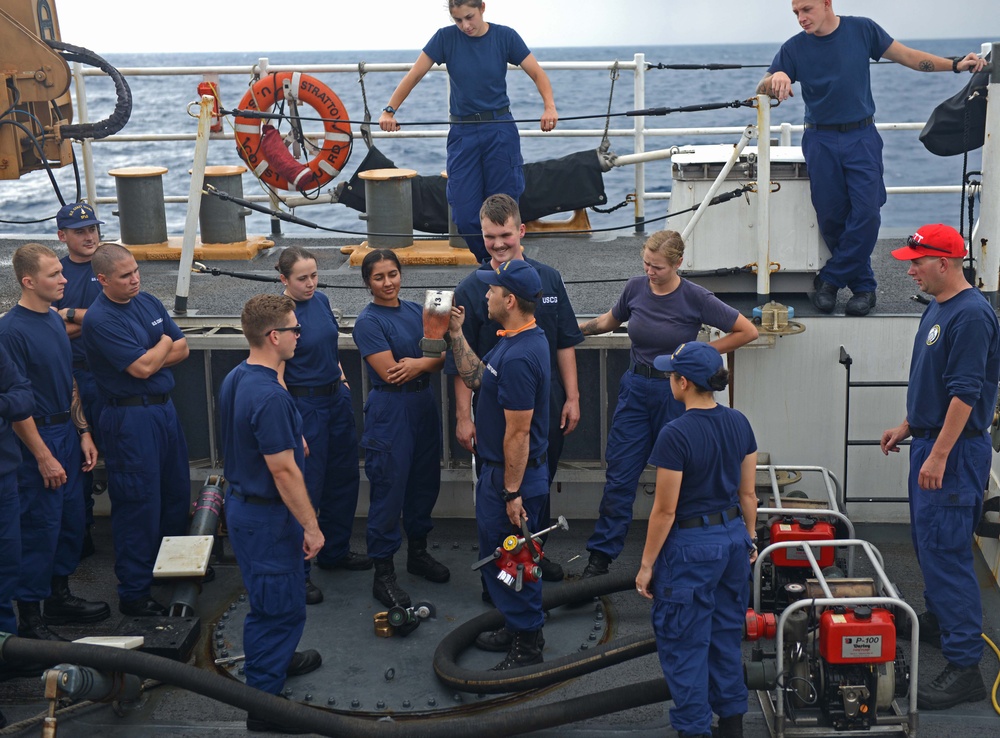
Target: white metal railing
{"x":638,"y":132}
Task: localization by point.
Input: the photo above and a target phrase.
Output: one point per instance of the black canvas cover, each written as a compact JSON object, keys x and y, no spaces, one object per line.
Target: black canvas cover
{"x":944,"y":134}
{"x":430,"y":204}
{"x":552,"y":186}
{"x":562,"y":185}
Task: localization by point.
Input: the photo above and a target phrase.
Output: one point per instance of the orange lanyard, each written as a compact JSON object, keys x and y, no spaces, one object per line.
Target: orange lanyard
{"x":515,"y":331}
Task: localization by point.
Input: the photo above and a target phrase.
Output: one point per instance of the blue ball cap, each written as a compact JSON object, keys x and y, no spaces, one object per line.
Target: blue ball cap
{"x":518,"y":276}
{"x":695,"y":360}
{"x":77,"y":215}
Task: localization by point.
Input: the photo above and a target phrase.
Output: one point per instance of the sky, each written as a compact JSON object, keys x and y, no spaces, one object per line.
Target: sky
{"x":110,"y":26}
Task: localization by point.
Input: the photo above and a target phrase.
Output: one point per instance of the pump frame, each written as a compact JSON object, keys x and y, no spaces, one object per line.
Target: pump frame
{"x":771,"y":702}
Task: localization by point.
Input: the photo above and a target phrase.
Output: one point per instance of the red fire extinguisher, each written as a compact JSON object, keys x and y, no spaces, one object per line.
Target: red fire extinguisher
{"x":212,"y":88}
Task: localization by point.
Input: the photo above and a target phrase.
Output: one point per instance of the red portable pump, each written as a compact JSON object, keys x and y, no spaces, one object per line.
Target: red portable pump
{"x":857,"y":635}
{"x":788,"y":528}
{"x":841,"y":660}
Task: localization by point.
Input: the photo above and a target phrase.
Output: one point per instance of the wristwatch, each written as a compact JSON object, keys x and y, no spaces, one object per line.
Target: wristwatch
{"x":508,"y":496}
{"x":84,"y":429}
{"x":70,"y":315}
{"x":954,"y":64}
{"x":389,"y":109}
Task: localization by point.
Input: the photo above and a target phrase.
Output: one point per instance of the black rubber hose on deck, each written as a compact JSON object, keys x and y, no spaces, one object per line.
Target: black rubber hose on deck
{"x":549,"y":672}
{"x":498,"y":724}
{"x":524,"y":719}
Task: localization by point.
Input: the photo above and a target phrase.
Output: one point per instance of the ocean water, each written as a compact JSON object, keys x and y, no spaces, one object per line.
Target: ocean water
{"x":160,"y":105}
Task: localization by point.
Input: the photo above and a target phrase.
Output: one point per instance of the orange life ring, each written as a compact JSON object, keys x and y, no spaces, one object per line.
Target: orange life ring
{"x":337,"y":139}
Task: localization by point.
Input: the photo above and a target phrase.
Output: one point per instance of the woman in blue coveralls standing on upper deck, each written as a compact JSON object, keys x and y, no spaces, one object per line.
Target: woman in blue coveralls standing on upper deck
{"x":663,"y":311}
{"x":402,"y":437}
{"x":316,"y":381}
{"x":700,"y":544}
{"x":484,"y":156}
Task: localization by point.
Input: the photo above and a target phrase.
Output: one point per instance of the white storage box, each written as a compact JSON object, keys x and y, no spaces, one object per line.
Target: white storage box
{"x":725,"y":236}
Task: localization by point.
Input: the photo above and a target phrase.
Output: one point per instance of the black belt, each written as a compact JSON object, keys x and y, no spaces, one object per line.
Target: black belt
{"x":488,"y":115}
{"x":81,"y":364}
{"x":137,"y":400}
{"x":255,"y":500}
{"x":532,"y":463}
{"x":842,"y":127}
{"x":54,"y":419}
{"x":421,"y":383}
{"x":647,"y":371}
{"x":711,"y":519}
{"x":935,"y":432}
{"x":323,"y":390}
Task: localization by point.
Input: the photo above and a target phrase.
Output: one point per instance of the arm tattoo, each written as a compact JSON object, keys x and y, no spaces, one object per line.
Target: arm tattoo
{"x":590,"y":328}
{"x":926,"y":65}
{"x":470,"y":368}
{"x":76,"y":409}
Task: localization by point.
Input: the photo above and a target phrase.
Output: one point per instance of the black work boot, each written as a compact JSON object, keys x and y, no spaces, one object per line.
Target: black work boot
{"x":551,"y":571}
{"x":386,"y":589}
{"x":824,"y":298}
{"x":31,"y":624}
{"x":525,"y":650}
{"x":499,"y":640}
{"x":421,"y":563}
{"x":953,"y":686}
{"x":304,"y":662}
{"x":63,"y":606}
{"x":350,"y":561}
{"x":314,"y":595}
{"x":729,"y":727}
{"x":860,"y":304}
{"x":598,"y":565}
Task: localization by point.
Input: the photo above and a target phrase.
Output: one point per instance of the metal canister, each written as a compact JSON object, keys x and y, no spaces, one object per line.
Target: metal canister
{"x":437,"y":315}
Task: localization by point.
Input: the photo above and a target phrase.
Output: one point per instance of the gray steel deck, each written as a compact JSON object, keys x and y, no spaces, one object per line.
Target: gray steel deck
{"x":341,"y":629}
{"x":343,"y":621}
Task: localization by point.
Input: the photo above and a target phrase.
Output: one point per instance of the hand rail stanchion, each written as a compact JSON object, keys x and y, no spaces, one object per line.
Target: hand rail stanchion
{"x":763,"y":230}
{"x":639,"y":142}
{"x":194,"y":204}
{"x":986,"y":234}
{"x":87,"y":145}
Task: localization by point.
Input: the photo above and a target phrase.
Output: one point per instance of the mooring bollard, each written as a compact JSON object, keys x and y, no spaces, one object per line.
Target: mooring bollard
{"x":142,"y":215}
{"x":389,"y":206}
{"x":223,"y":221}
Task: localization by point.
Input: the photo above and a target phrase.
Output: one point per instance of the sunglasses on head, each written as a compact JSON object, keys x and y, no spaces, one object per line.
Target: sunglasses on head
{"x":911,"y":241}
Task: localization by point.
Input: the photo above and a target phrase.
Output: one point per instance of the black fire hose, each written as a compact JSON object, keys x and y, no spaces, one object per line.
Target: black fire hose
{"x":498,"y":724}
{"x":549,"y":672}
{"x":123,"y":106}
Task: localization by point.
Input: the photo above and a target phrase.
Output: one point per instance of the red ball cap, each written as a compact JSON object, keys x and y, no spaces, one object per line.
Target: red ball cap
{"x":933,"y":240}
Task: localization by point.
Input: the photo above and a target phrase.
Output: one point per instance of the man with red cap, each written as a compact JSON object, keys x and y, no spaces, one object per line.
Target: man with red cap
{"x":950,"y":399}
